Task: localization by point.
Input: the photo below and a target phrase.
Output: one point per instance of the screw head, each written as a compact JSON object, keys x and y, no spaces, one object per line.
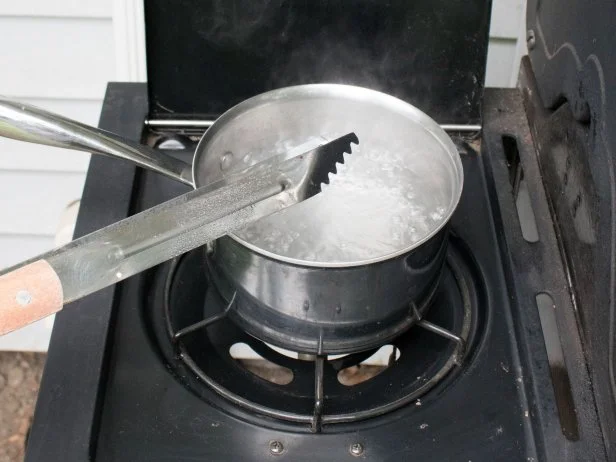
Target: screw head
{"x":23,"y":298}
{"x":276,"y":447}
{"x":356,"y":449}
{"x":530,"y":39}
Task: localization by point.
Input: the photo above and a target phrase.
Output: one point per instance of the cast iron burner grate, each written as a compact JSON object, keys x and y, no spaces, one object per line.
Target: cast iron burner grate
{"x":197,"y":343}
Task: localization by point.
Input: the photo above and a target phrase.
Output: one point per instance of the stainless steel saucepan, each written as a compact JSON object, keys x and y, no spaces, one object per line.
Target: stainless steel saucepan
{"x":343,"y":272}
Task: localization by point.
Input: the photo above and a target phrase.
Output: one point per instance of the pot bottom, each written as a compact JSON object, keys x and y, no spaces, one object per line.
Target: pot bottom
{"x":332,"y":339}
{"x":344,"y":311}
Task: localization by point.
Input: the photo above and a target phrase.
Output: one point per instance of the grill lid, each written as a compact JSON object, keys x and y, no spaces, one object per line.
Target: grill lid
{"x":205,"y":56}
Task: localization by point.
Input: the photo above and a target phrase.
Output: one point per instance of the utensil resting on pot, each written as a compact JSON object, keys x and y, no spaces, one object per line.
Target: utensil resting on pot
{"x":41,"y":287}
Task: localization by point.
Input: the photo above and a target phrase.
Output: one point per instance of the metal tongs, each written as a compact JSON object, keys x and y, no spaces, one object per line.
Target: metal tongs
{"x":41,"y":286}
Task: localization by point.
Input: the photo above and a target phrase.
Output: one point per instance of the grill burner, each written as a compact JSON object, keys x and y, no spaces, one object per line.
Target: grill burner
{"x":427,"y":360}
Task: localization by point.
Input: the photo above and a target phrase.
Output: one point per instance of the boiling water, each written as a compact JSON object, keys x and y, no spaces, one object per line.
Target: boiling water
{"x":398,"y":187}
{"x":378,"y":203}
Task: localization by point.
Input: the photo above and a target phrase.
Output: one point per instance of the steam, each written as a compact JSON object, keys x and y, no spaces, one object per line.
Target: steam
{"x":307,"y":42}
{"x":234,"y":23}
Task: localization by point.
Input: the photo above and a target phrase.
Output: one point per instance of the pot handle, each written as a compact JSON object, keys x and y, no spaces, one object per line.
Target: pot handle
{"x":34,"y":125}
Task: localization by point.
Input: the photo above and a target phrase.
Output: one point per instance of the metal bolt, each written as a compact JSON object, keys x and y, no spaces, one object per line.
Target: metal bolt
{"x":276,"y":447}
{"x":23,"y":298}
{"x":356,"y":449}
{"x":530,"y":39}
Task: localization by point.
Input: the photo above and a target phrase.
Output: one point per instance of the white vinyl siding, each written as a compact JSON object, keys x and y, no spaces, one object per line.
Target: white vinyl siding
{"x":508,"y":24}
{"x":60,"y":57}
{"x":57,"y":8}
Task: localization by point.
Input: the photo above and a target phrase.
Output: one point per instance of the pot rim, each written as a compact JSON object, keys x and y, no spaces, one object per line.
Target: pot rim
{"x":358,"y":93}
